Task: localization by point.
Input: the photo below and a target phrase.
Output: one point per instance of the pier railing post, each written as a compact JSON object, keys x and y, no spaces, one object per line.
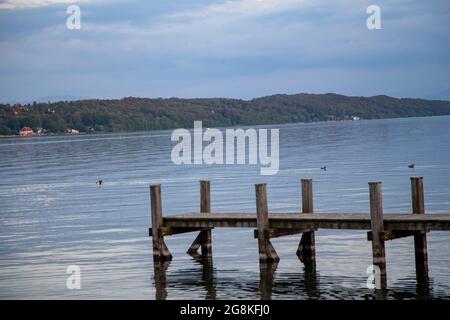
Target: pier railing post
{"x":266,"y":251}
{"x":377,"y":226}
{"x":203,"y":239}
{"x":205,"y":207}
{"x":307,"y":247}
{"x":420,"y":240}
{"x":160,"y":250}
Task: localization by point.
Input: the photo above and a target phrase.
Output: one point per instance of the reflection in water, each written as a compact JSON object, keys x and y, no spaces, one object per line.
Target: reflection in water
{"x":207,"y":279}
{"x":207,"y":274}
{"x":303,"y":285}
{"x":424,"y":284}
{"x":266,"y":278}
{"x":160,"y":268}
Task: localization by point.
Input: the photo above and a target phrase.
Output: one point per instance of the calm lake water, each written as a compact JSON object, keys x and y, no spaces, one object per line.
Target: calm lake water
{"x":52,"y":214}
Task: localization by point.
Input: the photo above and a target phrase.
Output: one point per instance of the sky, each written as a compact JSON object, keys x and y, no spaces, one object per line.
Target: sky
{"x":215,"y":48}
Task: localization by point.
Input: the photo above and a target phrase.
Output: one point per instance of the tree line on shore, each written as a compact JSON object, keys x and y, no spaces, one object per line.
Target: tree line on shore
{"x":142,"y":114}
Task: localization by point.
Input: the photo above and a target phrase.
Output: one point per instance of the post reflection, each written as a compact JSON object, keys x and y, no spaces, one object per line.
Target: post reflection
{"x":266,"y":279}
{"x":207,"y":274}
{"x":160,"y":268}
{"x":424,"y":286}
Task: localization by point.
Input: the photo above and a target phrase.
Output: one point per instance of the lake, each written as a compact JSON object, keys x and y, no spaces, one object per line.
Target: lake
{"x":53,"y":215}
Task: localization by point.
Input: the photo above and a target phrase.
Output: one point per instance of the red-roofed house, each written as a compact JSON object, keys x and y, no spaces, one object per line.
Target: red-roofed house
{"x":26,"y":131}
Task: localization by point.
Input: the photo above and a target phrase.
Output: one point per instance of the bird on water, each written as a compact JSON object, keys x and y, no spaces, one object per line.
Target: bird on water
{"x":99,"y":182}
{"x":324,"y":168}
{"x":411,"y":166}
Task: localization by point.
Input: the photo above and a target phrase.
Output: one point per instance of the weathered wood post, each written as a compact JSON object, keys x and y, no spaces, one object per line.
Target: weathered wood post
{"x":377,"y":226}
{"x":420,"y":240}
{"x":203,"y":239}
{"x":266,"y":251}
{"x":307,"y":247}
{"x":160,"y":250}
{"x":205,"y":207}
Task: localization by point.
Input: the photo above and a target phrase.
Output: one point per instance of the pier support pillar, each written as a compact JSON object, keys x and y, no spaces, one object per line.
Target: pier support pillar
{"x":307,"y":247}
{"x":204,"y":238}
{"x":377,"y":226}
{"x":160,"y":250}
{"x":420,"y":240}
{"x":267,"y":252}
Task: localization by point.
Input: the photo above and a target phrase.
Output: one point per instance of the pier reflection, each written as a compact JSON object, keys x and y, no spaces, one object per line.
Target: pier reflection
{"x":208,"y":274}
{"x":204,"y":276}
{"x":200,"y":280}
{"x":424,"y":285}
{"x":266,"y":279}
{"x":160,"y":268}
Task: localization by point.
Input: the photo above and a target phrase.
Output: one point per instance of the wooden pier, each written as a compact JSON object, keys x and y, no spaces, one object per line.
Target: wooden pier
{"x":380,"y":227}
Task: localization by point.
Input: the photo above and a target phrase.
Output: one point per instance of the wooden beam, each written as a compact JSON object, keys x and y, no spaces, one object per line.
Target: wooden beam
{"x":395,"y":234}
{"x":420,"y":240}
{"x":160,"y":250}
{"x":307,"y":247}
{"x":196,"y":244}
{"x":276,"y":233}
{"x":266,"y":251}
{"x":378,"y":251}
{"x":169,"y":231}
{"x":329,"y":220}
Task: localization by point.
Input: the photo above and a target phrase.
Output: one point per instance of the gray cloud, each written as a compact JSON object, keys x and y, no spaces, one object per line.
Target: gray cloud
{"x":229,"y":48}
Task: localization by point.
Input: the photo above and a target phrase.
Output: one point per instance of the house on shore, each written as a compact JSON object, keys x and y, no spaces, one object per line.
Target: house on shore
{"x":26,"y":131}
{"x":72,"y":131}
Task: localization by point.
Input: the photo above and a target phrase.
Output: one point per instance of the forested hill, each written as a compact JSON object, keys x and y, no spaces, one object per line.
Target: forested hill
{"x":135,"y":114}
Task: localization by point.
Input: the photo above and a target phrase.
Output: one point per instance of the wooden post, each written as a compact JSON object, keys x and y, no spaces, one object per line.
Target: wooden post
{"x":203,"y":239}
{"x":205,"y":207}
{"x":420,"y":240}
{"x":160,"y":250}
{"x":377,"y":225}
{"x":266,"y":251}
{"x":307,"y":247}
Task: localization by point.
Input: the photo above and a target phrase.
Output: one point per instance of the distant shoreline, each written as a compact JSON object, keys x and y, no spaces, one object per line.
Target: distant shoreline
{"x":143,"y":114}
{"x":218,"y":127}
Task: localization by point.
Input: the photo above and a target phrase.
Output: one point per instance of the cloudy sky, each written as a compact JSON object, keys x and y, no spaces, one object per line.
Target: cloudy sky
{"x":217,"y":48}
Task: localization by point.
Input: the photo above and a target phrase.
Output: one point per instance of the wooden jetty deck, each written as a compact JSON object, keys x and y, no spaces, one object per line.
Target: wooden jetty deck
{"x":348,"y":221}
{"x":380,"y":227}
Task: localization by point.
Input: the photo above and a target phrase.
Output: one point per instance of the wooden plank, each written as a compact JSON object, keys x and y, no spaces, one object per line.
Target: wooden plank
{"x":350,"y":221}
{"x":169,"y":231}
{"x":420,"y":240}
{"x":160,"y":250}
{"x":266,"y":251}
{"x":196,"y":244}
{"x":376,"y":215}
{"x":306,"y":250}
